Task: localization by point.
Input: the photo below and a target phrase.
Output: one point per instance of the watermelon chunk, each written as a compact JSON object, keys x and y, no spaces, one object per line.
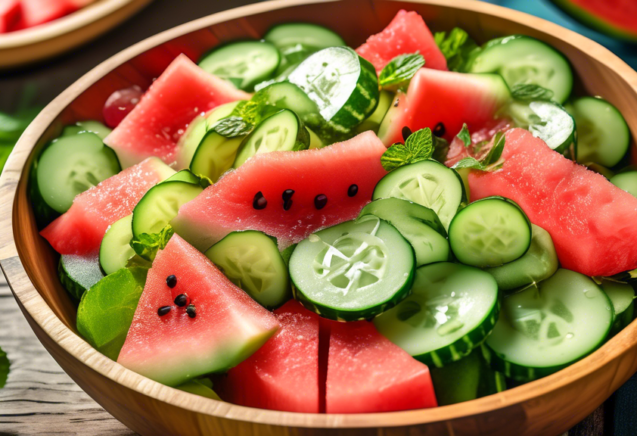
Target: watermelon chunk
{"x":407,"y":33}
{"x":10,"y":11}
{"x":367,"y":373}
{"x":154,"y":127}
{"x":228,"y":327}
{"x":37,"y":12}
{"x":283,"y":374}
{"x":81,"y":229}
{"x":616,"y":18}
{"x":227,"y":205}
{"x":446,"y":98}
{"x":591,"y":221}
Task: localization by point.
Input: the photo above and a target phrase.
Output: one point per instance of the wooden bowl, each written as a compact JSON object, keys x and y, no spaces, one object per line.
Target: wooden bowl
{"x":548,"y":406}
{"x":50,"y":39}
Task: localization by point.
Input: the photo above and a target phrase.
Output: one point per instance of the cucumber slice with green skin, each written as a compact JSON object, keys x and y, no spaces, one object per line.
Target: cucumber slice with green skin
{"x":537,"y":264}
{"x":71,"y":165}
{"x":215,"y":155}
{"x":343,"y":85}
{"x":622,"y":296}
{"x":626,"y":181}
{"x":315,"y":141}
{"x":183,"y":176}
{"x":251,"y":260}
{"x":548,"y":121}
{"x":79,"y":273}
{"x":490,"y":232}
{"x":352,"y":271}
{"x":374,"y":121}
{"x":549,"y":326}
{"x":87,"y":126}
{"x":115,"y":250}
{"x":602,"y":133}
{"x":450,"y":311}
{"x":283,"y":131}
{"x":428,"y":183}
{"x":160,"y":205}
{"x":419,"y":225}
{"x":491,"y":382}
{"x":243,"y":63}
{"x":521,"y":59}
{"x":287,"y":95}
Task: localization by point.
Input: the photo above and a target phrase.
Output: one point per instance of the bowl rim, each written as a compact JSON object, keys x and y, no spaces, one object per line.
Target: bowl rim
{"x":32,"y":302}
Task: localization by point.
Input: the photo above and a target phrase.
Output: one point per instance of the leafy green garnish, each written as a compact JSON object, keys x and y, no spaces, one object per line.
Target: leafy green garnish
{"x":418,"y":147}
{"x":441,"y":149}
{"x":496,"y":151}
{"x":531,"y":92}
{"x":457,"y":47}
{"x":148,"y":244}
{"x":232,"y":127}
{"x":464,"y":135}
{"x":4,"y":368}
{"x":400,"y":69}
{"x":491,"y":161}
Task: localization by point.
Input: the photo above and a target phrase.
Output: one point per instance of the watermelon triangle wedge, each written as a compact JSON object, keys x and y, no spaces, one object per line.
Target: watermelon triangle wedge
{"x":228,"y":326}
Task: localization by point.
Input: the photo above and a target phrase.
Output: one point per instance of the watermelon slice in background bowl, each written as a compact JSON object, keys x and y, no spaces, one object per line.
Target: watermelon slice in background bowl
{"x":547,"y":406}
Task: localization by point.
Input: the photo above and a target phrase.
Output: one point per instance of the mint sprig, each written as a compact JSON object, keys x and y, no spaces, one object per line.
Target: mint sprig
{"x":464,"y":135}
{"x":491,"y":162}
{"x":531,"y":92}
{"x":148,"y":244}
{"x":419,"y":146}
{"x":4,"y":368}
{"x":457,"y":47}
{"x":400,"y":69}
{"x":232,"y":127}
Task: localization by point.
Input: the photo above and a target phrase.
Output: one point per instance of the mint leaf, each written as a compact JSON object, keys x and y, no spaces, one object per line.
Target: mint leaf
{"x":418,"y":147}
{"x":469,"y":162}
{"x":531,"y":92}
{"x":4,"y":368}
{"x":496,"y":151}
{"x":148,"y":244}
{"x":490,"y":162}
{"x":232,"y":127}
{"x":400,"y":69}
{"x":457,"y":47}
{"x":464,"y":135}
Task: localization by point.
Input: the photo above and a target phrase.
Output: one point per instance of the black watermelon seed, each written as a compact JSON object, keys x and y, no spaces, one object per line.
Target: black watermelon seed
{"x":163,"y":310}
{"x":287,"y":204}
{"x":287,"y":194}
{"x":191,"y":311}
{"x":396,"y":103}
{"x":320,"y":201}
{"x":352,"y":190}
{"x":440,"y":130}
{"x":259,"y":201}
{"x":406,"y":133}
{"x":171,"y":281}
{"x":181,"y":300}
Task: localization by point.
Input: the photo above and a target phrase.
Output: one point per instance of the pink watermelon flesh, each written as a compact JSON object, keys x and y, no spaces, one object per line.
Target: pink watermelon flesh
{"x":81,"y":229}
{"x":283,"y":374}
{"x":367,"y":373}
{"x":591,"y":221}
{"x":36,"y":12}
{"x":227,"y":205}
{"x":154,"y":127}
{"x":9,"y":14}
{"x":407,"y":33}
{"x":445,"y":97}
{"x":229,"y":326}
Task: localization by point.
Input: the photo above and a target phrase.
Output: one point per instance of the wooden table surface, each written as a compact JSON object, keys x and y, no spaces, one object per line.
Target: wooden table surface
{"x":39,"y":397}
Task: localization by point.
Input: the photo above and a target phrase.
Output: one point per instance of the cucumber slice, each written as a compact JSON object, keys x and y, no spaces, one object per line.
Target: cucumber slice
{"x":183,"y":176}
{"x":71,"y":165}
{"x":79,"y":273}
{"x":160,"y":205}
{"x":283,"y":131}
{"x":315,"y":141}
{"x":242,"y":63}
{"x":115,"y":250}
{"x":549,"y":326}
{"x":521,"y":59}
{"x":343,"y":85}
{"x":548,"y":121}
{"x":287,"y":95}
{"x":621,"y":296}
{"x":602,"y":133}
{"x":490,"y":232}
{"x":428,"y":183}
{"x":251,"y":260}
{"x":352,"y":271}
{"x":537,"y":264}
{"x":626,"y":181}
{"x":215,"y":155}
{"x":87,"y":126}
{"x":451,"y":310}
{"x":376,"y":118}
{"x":419,"y":225}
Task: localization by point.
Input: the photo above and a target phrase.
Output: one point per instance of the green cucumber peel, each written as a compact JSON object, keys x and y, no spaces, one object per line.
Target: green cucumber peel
{"x":419,"y":146}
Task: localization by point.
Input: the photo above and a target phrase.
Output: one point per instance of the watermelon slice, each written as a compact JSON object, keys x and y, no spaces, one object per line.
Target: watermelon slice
{"x":228,"y":326}
{"x":181,"y":93}
{"x":36,"y":12}
{"x":228,"y":205}
{"x":283,"y":374}
{"x":445,"y":99}
{"x":591,"y":221}
{"x":407,"y":33}
{"x":367,"y":373}
{"x":617,"y":18}
{"x":81,"y":228}
{"x":10,"y":11}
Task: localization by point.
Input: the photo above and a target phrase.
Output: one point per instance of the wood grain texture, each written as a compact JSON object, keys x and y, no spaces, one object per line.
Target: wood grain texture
{"x":547,"y":406}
